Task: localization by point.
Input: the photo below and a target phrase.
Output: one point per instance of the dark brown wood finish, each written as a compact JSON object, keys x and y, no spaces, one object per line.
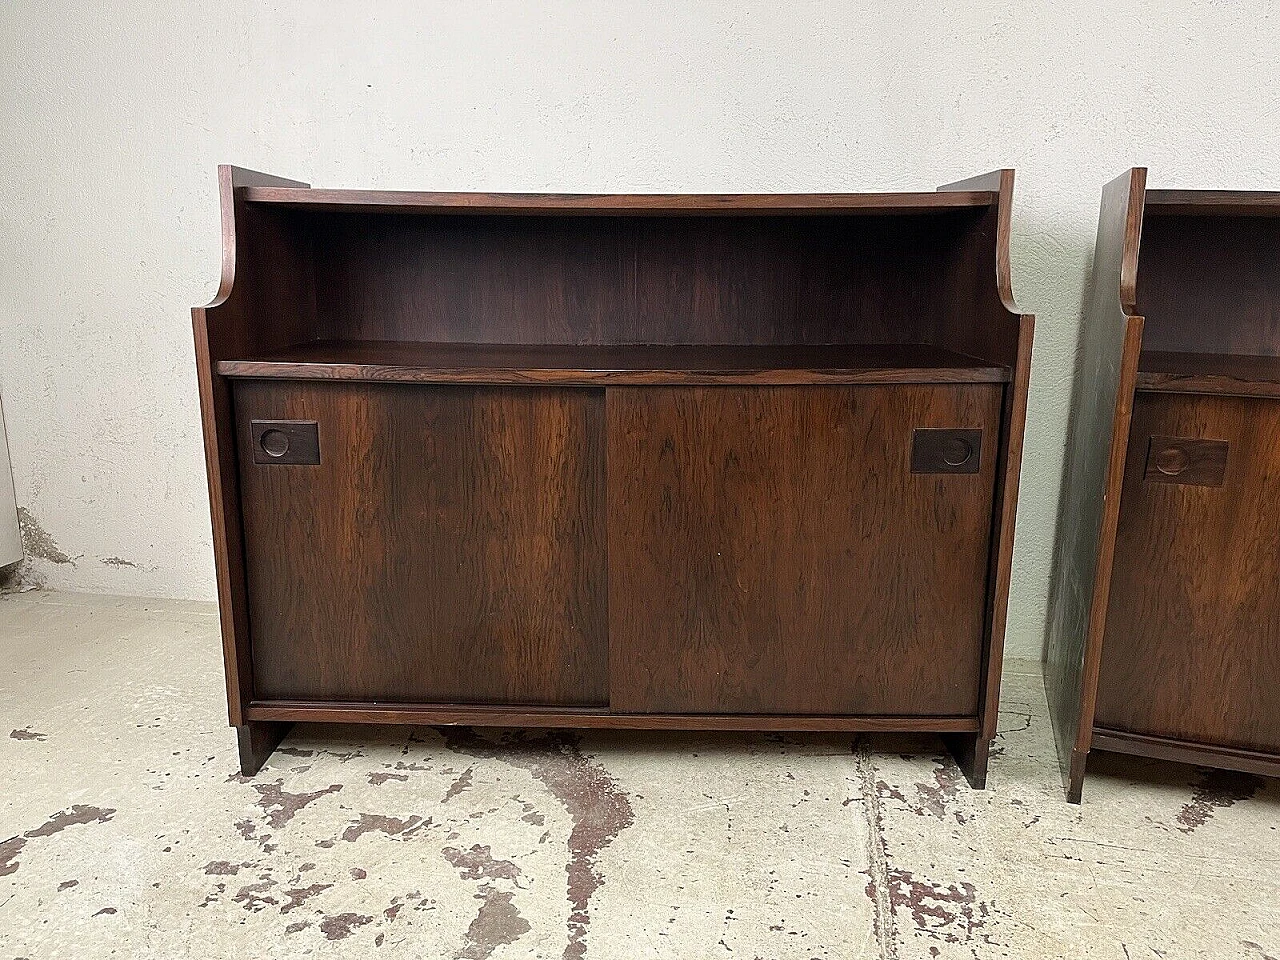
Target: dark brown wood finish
{"x":1192,"y":648}
{"x":1003,"y":334}
{"x":449,"y":546}
{"x":1179,"y":751}
{"x":266,"y":273}
{"x":1181,"y":656}
{"x":636,"y":204}
{"x":1185,"y":460}
{"x":1213,"y":373}
{"x":437,"y":714}
{"x":621,"y":365}
{"x":1213,"y":203}
{"x":771,"y":551}
{"x":464,"y":356}
{"x":256,"y":738}
{"x":573,"y":280}
{"x":1209,"y":284}
{"x":1097,"y":438}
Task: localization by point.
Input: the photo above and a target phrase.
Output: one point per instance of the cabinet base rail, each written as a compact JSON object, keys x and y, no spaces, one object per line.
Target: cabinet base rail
{"x":481,"y":715}
{"x":267,"y":721}
{"x":1186,"y":751}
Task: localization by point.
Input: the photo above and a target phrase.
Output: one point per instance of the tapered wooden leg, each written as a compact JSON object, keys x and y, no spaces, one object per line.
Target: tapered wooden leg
{"x":1075,"y":777}
{"x":257,"y":738}
{"x":971,"y":751}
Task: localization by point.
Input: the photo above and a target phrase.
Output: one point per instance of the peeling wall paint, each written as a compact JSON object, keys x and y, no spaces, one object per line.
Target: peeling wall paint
{"x":110,"y":221}
{"x":10,"y":534}
{"x":36,"y":542}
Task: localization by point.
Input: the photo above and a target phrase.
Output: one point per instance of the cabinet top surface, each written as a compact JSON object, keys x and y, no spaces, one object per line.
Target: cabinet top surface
{"x":640,"y":204}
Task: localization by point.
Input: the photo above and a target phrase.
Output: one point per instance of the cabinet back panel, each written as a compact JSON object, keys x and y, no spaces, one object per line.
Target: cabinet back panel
{"x":660,"y":280}
{"x":771,"y":550}
{"x":1192,"y":645}
{"x":449,"y":546}
{"x":1210,"y":284}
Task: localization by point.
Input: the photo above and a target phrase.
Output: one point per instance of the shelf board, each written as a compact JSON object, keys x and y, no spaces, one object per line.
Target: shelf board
{"x":1221,"y":373}
{"x":622,"y":365}
{"x":1221,"y":203}
{"x":639,"y":204}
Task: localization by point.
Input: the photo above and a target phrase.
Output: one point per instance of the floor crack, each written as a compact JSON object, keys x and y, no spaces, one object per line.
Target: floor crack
{"x":877,"y":858}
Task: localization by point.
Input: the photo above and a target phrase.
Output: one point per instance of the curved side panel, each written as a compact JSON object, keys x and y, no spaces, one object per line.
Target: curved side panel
{"x":982,"y":319}
{"x":219,"y":328}
{"x":1105,"y":376}
{"x":999,"y":182}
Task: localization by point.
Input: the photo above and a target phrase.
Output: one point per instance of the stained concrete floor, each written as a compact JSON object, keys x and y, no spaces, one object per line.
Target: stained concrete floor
{"x":125,"y":830}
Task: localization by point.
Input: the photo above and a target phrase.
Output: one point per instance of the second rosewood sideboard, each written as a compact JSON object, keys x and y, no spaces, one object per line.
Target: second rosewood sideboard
{"x":714,"y":462}
{"x":1165,"y":635}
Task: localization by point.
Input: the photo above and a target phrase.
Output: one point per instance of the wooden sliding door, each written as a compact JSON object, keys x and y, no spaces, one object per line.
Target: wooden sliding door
{"x":777,"y":550}
{"x":447,"y":547}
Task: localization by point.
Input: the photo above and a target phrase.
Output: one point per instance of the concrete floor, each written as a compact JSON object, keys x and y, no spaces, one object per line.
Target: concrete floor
{"x":126,"y":832}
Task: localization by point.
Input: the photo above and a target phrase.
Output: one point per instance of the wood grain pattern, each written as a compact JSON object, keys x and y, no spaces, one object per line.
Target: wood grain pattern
{"x":481,"y":715}
{"x":595,"y":204}
{"x":1191,"y":460}
{"x":771,"y":551}
{"x":1209,"y":284}
{"x":1213,"y":203}
{"x":263,"y":273}
{"x":617,"y":280}
{"x":1097,"y":439}
{"x":1182,"y":751}
{"x":983,"y":318}
{"x":256,"y":739}
{"x":1181,"y":656}
{"x":1192,"y":649}
{"x":390,"y":361}
{"x":449,"y":546}
{"x":1213,"y":373}
{"x":447,"y":558}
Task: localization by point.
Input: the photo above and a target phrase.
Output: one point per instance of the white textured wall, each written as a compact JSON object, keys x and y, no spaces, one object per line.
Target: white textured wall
{"x":113,"y":116}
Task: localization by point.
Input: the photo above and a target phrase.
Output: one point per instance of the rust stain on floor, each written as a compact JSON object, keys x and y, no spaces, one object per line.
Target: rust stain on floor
{"x":599,"y":808}
{"x":77,"y":814}
{"x":931,"y":799}
{"x":281,"y":806}
{"x":497,"y":924}
{"x":1216,"y":790}
{"x":378,"y":823}
{"x":478,"y":864}
{"x":458,"y":785}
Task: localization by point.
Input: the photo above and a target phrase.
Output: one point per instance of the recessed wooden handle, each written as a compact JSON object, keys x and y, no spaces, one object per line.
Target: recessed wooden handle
{"x":285,"y":441}
{"x":946,"y":450}
{"x":1201,"y":463}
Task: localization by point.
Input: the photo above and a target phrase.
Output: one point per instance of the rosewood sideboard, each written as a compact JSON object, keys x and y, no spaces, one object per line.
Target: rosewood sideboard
{"x":1164,"y":637}
{"x":736,"y":462}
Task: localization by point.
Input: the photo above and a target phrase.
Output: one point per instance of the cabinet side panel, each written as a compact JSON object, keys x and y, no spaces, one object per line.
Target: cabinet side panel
{"x":265,"y":299}
{"x":1102,"y":393}
{"x":1192,"y":648}
{"x":448,"y":547}
{"x":772,"y":550}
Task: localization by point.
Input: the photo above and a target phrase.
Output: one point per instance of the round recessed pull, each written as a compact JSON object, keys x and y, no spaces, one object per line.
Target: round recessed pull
{"x":275,"y":443}
{"x":957,"y":452}
{"x":1171,"y":461}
